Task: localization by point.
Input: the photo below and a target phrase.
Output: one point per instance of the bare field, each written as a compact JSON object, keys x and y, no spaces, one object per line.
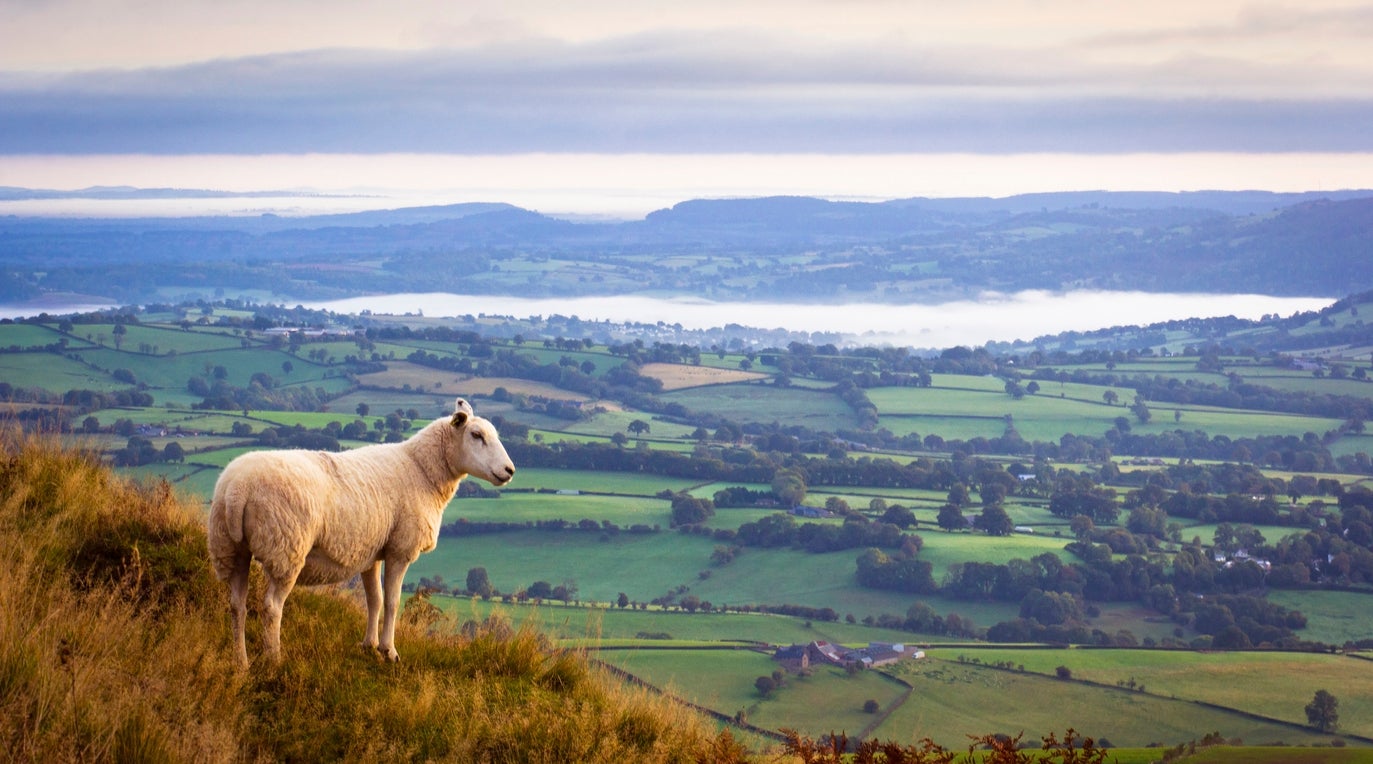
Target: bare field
{"x":435,"y":381}
{"x":676,"y":376}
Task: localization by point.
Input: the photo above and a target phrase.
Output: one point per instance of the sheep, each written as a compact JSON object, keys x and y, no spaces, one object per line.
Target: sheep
{"x":316,"y":517}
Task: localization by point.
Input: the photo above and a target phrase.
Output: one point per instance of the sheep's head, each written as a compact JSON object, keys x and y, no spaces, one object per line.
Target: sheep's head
{"x":479,"y":450}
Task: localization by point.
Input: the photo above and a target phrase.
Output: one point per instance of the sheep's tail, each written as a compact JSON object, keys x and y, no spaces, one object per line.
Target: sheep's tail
{"x":225,"y":529}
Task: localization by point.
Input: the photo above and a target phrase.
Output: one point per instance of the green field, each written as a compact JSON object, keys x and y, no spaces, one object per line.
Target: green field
{"x":512,"y":507}
{"x":752,"y":402}
{"x":1270,"y":684}
{"x":54,"y":372}
{"x":592,"y":627}
{"x":629,"y":483}
{"x":1331,"y":617}
{"x":24,"y":336}
{"x":828,"y":700}
{"x":642,"y":566}
{"x":953,"y":699}
{"x":964,"y":413}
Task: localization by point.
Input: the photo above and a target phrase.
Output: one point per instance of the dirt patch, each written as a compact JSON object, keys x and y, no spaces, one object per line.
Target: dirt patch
{"x":399,"y":375}
{"x":676,"y":376}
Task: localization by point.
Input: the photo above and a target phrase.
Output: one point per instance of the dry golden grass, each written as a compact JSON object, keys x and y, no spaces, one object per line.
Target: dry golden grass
{"x":114,"y":646}
{"x":676,"y":376}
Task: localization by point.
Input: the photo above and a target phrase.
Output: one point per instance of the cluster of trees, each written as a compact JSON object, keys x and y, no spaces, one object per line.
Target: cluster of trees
{"x":856,"y":532}
{"x":139,"y":451}
{"x":262,"y":393}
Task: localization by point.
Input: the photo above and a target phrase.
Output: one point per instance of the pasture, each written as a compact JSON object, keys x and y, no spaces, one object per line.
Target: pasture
{"x":952,"y":699}
{"x":1270,"y":684}
{"x":518,"y":507}
{"x":24,"y":336}
{"x":623,"y":483}
{"x":753,"y":402}
{"x":159,"y":340}
{"x":593,"y":627}
{"x":827,"y":701}
{"x":967,"y":413}
{"x":1331,"y":617}
{"x":642,"y":566}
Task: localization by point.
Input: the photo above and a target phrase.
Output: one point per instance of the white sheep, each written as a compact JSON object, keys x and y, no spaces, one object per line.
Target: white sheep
{"x":315,"y":517}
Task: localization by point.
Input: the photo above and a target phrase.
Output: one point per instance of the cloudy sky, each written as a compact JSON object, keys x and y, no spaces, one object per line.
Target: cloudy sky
{"x":626,"y":105}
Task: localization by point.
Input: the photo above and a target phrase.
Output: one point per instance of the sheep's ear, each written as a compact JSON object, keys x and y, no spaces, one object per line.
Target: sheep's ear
{"x":463,"y":405}
{"x":459,"y":418}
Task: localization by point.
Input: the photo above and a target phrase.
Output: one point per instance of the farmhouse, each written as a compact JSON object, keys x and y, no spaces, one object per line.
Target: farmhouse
{"x":796,"y":657}
{"x":793,"y":657}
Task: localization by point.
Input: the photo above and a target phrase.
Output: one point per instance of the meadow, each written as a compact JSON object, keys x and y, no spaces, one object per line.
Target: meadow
{"x":951,"y":699}
{"x":1275,"y":685}
{"x":753,"y":402}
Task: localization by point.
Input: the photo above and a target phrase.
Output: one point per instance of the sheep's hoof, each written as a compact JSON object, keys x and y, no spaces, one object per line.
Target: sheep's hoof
{"x":390,"y":654}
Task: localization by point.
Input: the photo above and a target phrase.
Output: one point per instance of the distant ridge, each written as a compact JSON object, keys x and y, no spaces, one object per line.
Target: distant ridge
{"x":780,"y":248}
{"x":15,"y":193}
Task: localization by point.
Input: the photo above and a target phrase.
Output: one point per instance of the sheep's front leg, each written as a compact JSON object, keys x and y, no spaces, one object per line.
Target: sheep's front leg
{"x":395,"y":573}
{"x":371,"y":586}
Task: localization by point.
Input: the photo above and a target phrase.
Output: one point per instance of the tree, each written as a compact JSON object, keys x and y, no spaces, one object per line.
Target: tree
{"x":1063,"y":672}
{"x":689,"y":510}
{"x":871,"y":706}
{"x":478,"y":583}
{"x":951,"y":518}
{"x":363,"y":409}
{"x":994,"y":521}
{"x":765,"y":685}
{"x":789,"y":487}
{"x":622,"y":601}
{"x":1110,"y":397}
{"x":1323,"y":711}
{"x":173,"y":452}
{"x":958,"y":495}
{"x":899,"y":516}
{"x":1141,"y":411}
{"x":638,"y":427}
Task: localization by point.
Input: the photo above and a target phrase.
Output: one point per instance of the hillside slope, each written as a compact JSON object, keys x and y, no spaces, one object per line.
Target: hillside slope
{"x":114,"y":646}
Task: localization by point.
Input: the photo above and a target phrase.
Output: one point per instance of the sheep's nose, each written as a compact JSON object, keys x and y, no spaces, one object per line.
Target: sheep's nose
{"x":510,"y":470}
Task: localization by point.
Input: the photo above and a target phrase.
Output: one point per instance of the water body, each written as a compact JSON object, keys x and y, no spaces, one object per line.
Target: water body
{"x":992,"y":317}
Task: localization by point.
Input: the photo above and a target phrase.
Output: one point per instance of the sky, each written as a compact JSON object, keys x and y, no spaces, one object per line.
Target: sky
{"x":623,"y":106}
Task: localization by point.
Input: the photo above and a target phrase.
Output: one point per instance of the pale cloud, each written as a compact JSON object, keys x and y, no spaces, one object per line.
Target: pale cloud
{"x":843,"y":77}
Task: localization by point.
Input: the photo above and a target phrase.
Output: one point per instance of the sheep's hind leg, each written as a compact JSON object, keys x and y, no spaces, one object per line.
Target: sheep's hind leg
{"x":238,"y":603}
{"x":371,"y":586}
{"x":273,"y":603}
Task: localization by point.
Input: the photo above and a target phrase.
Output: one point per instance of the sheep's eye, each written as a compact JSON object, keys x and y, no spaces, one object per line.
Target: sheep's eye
{"x":479,"y":436}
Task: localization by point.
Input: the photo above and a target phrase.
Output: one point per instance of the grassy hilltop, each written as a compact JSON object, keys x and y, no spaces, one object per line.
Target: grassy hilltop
{"x":114,"y":647}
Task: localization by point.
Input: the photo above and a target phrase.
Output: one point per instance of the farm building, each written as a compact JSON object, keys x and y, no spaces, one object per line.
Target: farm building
{"x":793,"y":657}
{"x":875,"y":654}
